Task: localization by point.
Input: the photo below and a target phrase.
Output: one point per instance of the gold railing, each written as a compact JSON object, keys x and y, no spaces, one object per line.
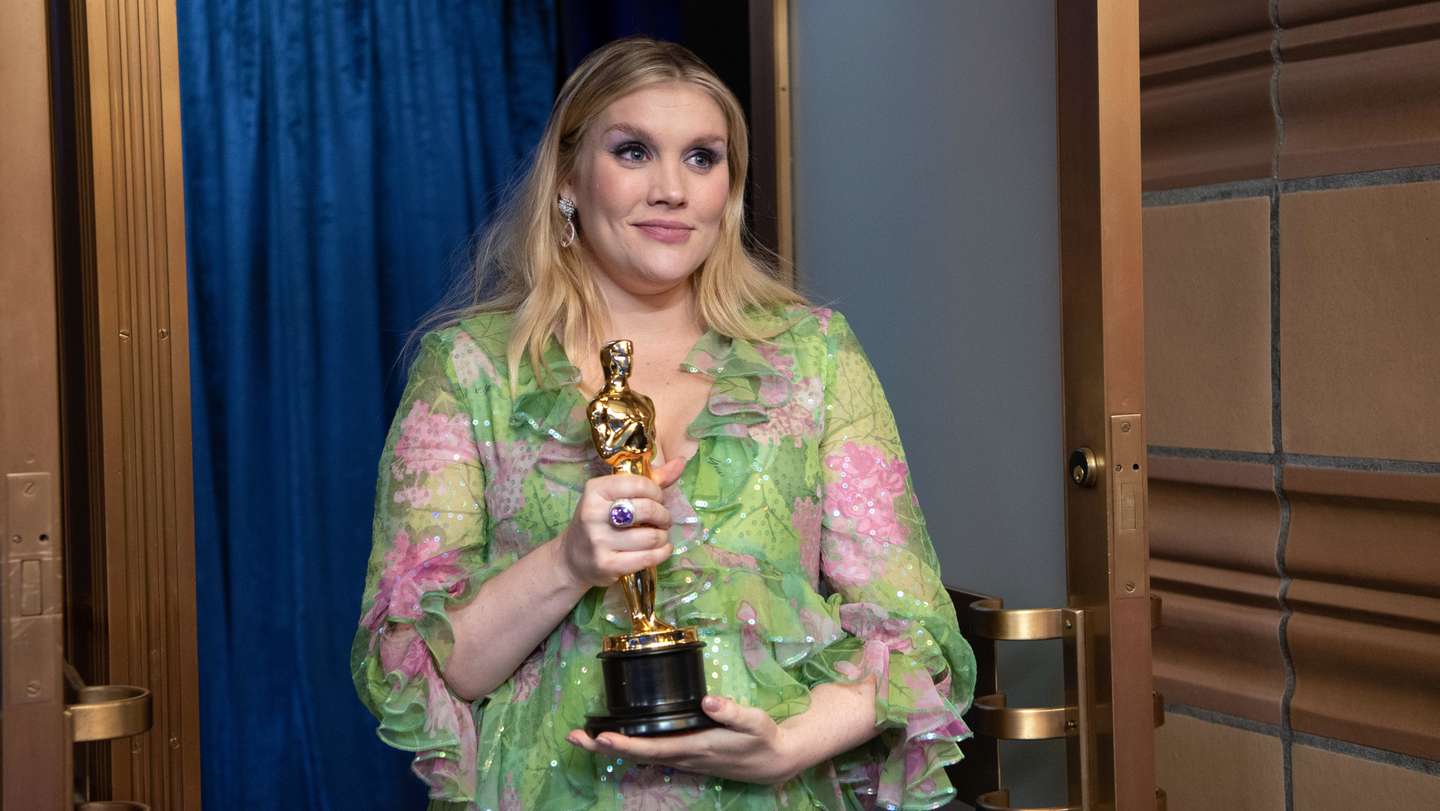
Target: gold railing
{"x":985,"y":621}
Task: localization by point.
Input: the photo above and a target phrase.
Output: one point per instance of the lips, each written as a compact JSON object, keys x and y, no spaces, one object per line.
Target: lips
{"x":671,"y":233}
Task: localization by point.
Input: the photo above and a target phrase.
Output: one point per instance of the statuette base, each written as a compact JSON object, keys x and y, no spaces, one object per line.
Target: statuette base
{"x":655,"y":691}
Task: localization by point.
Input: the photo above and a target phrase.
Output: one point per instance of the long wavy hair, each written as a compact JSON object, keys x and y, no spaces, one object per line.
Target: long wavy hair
{"x":519,"y":266}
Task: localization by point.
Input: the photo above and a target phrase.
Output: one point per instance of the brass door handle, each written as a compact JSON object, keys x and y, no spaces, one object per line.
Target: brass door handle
{"x":988,"y":619}
{"x":108,"y":711}
{"x":991,"y":717}
{"x":1000,"y":801}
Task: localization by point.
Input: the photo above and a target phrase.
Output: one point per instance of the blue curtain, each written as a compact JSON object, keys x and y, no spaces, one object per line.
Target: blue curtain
{"x":338,"y":155}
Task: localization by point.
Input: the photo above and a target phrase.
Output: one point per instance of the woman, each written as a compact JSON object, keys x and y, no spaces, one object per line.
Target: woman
{"x":784,"y":525}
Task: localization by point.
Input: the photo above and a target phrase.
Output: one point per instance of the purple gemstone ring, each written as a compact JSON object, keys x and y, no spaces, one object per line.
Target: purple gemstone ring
{"x":622,"y":513}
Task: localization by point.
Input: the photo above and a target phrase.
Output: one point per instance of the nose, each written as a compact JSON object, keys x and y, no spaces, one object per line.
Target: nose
{"x":667,"y":185}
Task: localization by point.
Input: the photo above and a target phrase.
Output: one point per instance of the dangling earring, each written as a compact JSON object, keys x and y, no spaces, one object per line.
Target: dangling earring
{"x":567,"y":210}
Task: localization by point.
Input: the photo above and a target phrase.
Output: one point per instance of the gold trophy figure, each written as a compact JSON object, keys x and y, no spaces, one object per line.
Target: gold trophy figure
{"x":654,"y":675}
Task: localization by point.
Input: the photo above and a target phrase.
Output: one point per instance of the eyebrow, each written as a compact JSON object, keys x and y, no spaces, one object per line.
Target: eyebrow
{"x":640,"y":134}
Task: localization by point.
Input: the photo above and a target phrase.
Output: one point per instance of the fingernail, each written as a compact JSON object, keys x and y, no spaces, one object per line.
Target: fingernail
{"x":711,"y":703}
{"x":605,"y":742}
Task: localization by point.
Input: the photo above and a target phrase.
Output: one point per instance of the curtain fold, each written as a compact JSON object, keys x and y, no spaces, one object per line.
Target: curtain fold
{"x":338,"y":156}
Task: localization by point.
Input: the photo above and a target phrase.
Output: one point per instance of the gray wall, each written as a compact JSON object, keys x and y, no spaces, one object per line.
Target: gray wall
{"x":925,"y":210}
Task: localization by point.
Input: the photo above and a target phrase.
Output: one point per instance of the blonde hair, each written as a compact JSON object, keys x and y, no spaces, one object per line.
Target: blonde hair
{"x":520,"y":267}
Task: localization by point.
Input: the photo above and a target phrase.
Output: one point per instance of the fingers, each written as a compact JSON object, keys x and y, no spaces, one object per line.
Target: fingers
{"x":624,"y":563}
{"x":662,"y":750}
{"x":624,"y":485}
{"x":668,"y":473}
{"x":636,"y":539}
{"x":647,"y":514}
{"x":737,"y":717}
{"x":644,"y":496}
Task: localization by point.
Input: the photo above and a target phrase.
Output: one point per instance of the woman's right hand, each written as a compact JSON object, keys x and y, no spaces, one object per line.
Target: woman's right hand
{"x":596,"y":553}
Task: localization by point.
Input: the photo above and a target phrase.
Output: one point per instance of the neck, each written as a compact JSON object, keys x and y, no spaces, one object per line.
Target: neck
{"x":645,"y":316}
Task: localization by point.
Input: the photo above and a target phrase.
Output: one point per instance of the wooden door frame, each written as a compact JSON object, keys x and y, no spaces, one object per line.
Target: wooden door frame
{"x":1103,"y":332}
{"x":32,"y":741}
{"x":126,"y":388}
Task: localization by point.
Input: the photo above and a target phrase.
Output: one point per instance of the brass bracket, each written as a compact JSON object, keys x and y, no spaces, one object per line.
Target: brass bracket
{"x":984,"y":620}
{"x":109,"y":711}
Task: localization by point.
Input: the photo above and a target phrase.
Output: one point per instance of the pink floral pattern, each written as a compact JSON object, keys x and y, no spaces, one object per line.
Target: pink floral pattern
{"x":794,"y":422}
{"x":430,"y":440}
{"x":653,"y":788}
{"x":752,"y":647}
{"x":471,"y":364}
{"x":527,"y":678}
{"x":870,"y":481}
{"x":846,"y":562}
{"x":411,"y":570}
{"x":805,"y":517}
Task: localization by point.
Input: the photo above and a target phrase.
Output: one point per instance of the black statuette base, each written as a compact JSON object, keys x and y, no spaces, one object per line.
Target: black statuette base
{"x":654,"y":692}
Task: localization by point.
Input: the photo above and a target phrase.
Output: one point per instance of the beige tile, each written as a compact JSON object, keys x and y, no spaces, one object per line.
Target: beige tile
{"x":1204,"y":766}
{"x":1329,"y":781}
{"x":1358,"y":327}
{"x":1207,"y":324}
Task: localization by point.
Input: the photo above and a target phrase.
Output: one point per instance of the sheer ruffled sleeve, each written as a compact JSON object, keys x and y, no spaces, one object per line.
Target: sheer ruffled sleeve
{"x":430,"y":552}
{"x":876,"y":555}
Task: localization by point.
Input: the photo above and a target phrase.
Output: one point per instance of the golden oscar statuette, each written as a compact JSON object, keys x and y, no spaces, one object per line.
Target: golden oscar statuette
{"x":654,"y":675}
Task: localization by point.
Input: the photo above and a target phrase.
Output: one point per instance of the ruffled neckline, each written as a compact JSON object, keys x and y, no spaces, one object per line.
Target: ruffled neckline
{"x":745,"y":385}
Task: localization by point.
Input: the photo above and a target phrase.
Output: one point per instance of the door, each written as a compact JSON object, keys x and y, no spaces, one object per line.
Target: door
{"x":965,"y":187}
{"x":99,"y":667}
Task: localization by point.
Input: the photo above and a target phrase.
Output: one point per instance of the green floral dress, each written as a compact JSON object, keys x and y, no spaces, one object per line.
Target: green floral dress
{"x":800,"y":554}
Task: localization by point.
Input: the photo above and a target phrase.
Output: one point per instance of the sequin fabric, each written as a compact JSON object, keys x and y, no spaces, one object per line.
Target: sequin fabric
{"x":800,"y":554}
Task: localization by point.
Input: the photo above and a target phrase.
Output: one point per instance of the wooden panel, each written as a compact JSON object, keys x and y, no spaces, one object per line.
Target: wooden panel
{"x":1358,"y":327}
{"x":1360,"y":87}
{"x":128,"y":72}
{"x":1214,"y":530}
{"x":1365,"y":630}
{"x":1205,"y":101}
{"x":1207,"y":324}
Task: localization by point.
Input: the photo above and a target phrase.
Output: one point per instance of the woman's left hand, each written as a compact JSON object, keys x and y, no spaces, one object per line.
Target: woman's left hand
{"x":747,"y":746}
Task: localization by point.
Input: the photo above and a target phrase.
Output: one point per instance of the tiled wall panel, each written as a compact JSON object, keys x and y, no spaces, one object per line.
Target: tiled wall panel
{"x":1207,"y":324}
{"x":1167,"y":26}
{"x":1364,"y":555}
{"x":1330,"y":781}
{"x":1205,"y":97}
{"x":1360,"y":86}
{"x":1359,"y":291}
{"x":1243,"y":770}
{"x":1207,"y":124}
{"x":1213,"y":533}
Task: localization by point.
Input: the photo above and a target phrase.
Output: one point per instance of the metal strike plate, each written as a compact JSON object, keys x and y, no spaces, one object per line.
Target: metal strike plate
{"x":1127,"y":491}
{"x":30,"y":519}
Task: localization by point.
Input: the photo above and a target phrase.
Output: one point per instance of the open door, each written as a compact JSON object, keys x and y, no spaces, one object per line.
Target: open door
{"x":965,"y":184}
{"x":100,"y":673}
